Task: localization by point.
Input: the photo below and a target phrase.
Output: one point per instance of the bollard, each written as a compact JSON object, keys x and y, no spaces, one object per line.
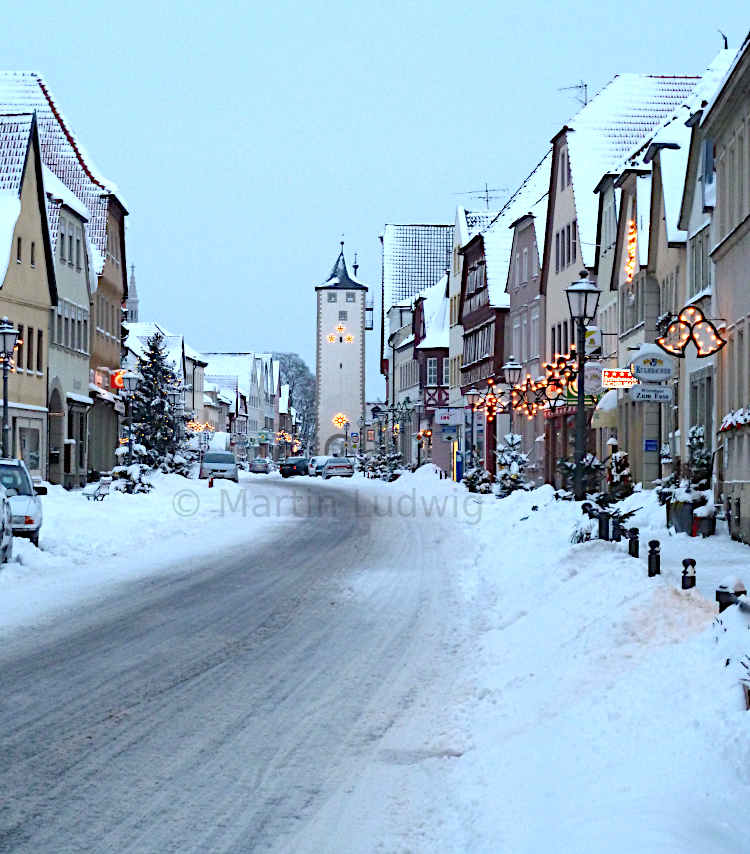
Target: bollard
{"x":210,"y":482}
{"x":654,"y":558}
{"x":633,"y":544}
{"x":586,"y":508}
{"x":616,"y":529}
{"x":604,"y":518}
{"x":728,"y":591}
{"x":688,"y":573}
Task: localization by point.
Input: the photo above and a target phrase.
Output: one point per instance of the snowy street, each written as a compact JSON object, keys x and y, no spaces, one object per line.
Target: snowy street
{"x":216,"y":706}
{"x":401,"y":668}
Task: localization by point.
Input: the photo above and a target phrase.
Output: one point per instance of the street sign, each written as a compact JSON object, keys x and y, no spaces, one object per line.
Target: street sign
{"x":618,"y":378}
{"x":354,"y":435}
{"x":651,"y":394}
{"x":592,"y":377}
{"x":650,"y":445}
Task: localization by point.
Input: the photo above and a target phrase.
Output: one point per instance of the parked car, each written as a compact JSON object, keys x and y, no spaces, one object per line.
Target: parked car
{"x":294,"y":465}
{"x":219,"y":464}
{"x":261,"y":465}
{"x":23,"y":494}
{"x":338,"y":467}
{"x":316,"y":465}
{"x":6,"y":527}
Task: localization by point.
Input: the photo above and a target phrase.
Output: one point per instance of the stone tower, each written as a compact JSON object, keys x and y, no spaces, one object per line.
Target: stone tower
{"x":340,"y":359}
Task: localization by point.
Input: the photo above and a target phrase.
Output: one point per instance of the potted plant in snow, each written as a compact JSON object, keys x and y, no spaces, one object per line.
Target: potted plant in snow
{"x":690,"y":504}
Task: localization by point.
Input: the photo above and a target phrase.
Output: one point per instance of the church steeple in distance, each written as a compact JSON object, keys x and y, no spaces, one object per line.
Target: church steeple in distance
{"x":132,"y":301}
{"x":340,"y":360}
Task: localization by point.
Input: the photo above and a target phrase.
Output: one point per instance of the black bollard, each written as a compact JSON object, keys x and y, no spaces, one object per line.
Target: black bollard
{"x":604,"y":517}
{"x":586,"y":508}
{"x":688,"y":573}
{"x":654,"y":558}
{"x":633,"y":544}
{"x":728,"y":591}
{"x":616,"y":529}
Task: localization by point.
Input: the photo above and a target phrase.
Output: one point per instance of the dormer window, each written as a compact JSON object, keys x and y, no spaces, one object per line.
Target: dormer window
{"x":332,"y":296}
{"x":350,"y":297}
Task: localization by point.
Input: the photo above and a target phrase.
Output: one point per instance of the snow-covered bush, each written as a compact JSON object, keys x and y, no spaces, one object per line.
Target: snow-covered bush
{"x":478,"y":480}
{"x":592,"y":473}
{"x":619,"y":476}
{"x":700,"y":459}
{"x":131,"y":479}
{"x":512,"y":465}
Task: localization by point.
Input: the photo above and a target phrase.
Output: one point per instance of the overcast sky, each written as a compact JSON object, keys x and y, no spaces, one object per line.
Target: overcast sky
{"x":247,"y":138}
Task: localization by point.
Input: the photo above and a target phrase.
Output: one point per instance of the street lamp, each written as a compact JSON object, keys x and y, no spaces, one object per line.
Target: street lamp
{"x":512,"y":371}
{"x":8,"y":338}
{"x":583,"y":300}
{"x":472,"y":395}
{"x":130,"y":381}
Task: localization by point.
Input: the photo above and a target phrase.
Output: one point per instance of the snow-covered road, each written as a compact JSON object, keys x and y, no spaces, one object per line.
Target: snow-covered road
{"x":220,"y":706}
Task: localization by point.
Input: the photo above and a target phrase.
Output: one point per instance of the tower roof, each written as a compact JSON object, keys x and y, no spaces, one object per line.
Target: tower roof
{"x":339,"y":277}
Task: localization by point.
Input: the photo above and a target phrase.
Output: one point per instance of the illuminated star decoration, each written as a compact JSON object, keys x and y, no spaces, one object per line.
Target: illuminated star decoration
{"x":525,"y":397}
{"x":691,"y":325}
{"x":339,"y":420}
{"x":331,"y":338}
{"x":349,"y":339}
{"x":340,"y":328}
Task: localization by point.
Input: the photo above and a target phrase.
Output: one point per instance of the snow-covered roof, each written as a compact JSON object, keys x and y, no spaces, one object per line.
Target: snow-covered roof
{"x":57,"y":191}
{"x":14,"y":142}
{"x":137,"y":340}
{"x":498,"y":237}
{"x":414,"y":258}
{"x":230,"y":370}
{"x":673,"y":138}
{"x":436,"y":316}
{"x":62,"y":152}
{"x":284,"y":399}
{"x":718,"y":88}
{"x":613,"y":125}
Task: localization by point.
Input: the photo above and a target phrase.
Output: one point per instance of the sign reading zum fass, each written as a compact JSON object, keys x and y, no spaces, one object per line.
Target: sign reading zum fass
{"x":650,"y":367}
{"x":651,"y":394}
{"x":617,"y":378}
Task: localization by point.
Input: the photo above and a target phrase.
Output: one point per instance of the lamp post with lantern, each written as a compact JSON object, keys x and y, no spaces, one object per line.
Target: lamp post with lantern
{"x":8,"y":338}
{"x":583,"y":300}
{"x":512,"y":371}
{"x":130,"y":381}
{"x":472,"y":395}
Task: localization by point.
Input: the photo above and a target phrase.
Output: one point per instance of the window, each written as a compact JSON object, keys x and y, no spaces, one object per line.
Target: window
{"x":446,"y":371}
{"x":78,"y":252}
{"x":567,"y":245}
{"x":30,"y":349}
{"x":557,"y":252}
{"x":33,"y":259}
{"x":70,"y":249}
{"x":332,"y":296}
{"x":517,"y":338}
{"x":517,"y":266}
{"x":85,"y":335}
{"x":432,"y":371}
{"x":525,"y":266}
{"x":18,"y":251}
{"x":574,"y":238}
{"x":350,"y":296}
{"x":343,"y":315}
{"x":553,"y":349}
{"x":66,"y":338}
{"x":62,"y":240}
{"x":534,"y":343}
{"x":19,"y":348}
{"x":524,"y":337}
{"x":39,"y":351}
{"x":565,"y":337}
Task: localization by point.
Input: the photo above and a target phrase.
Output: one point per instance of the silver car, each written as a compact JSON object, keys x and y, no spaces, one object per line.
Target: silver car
{"x":219,"y":464}
{"x":26,"y":508}
{"x":337,"y":467}
{"x":316,"y":466}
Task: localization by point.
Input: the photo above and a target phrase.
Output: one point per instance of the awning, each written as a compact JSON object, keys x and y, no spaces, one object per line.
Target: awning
{"x":605,"y":413}
{"x":83,"y":399}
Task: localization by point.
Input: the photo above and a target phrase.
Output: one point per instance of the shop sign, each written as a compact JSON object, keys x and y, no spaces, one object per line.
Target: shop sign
{"x":449,"y":416}
{"x":618,"y":378}
{"x":651,"y":368}
{"x":651,"y":394}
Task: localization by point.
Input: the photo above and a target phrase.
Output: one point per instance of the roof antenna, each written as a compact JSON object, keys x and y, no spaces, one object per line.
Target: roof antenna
{"x":581,"y":88}
{"x":486,"y":194}
{"x":726,"y":44}
{"x":355,"y":265}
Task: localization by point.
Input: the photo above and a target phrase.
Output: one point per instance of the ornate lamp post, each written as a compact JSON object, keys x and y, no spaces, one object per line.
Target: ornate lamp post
{"x":512,"y":371}
{"x":472,"y":395}
{"x":130,"y":381}
{"x":8,"y":338}
{"x":583,"y":300}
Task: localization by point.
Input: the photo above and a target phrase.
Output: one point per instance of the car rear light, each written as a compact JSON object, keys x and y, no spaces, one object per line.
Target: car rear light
{"x":28,"y":520}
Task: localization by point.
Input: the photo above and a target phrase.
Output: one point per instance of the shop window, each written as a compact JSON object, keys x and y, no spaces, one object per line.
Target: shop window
{"x":29,"y":439}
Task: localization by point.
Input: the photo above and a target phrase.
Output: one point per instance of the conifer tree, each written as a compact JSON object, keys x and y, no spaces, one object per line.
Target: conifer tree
{"x":153,"y":418}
